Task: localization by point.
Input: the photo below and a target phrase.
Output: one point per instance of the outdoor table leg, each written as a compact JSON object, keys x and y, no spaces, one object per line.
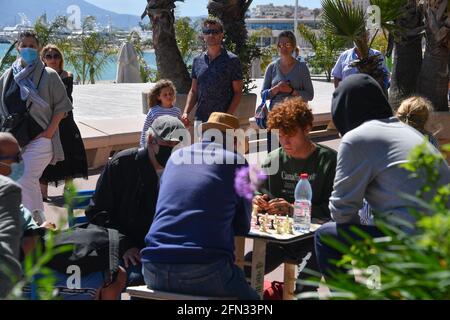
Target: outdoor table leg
{"x":258,"y":265}
{"x":239,"y":251}
{"x":289,"y":281}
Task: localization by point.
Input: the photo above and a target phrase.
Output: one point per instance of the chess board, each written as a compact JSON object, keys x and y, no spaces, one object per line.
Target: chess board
{"x":271,"y":231}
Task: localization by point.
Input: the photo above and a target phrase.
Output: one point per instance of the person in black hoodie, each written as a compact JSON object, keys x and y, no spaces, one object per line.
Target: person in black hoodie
{"x":374,"y":144}
{"x":127,"y":190}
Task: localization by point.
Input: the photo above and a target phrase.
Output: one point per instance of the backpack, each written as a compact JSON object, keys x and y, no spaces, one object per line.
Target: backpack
{"x":95,"y":248}
{"x":273,"y":290}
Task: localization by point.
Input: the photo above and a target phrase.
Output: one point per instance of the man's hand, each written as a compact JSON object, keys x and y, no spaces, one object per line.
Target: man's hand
{"x":279,"y":206}
{"x":132,"y":256}
{"x":261,"y":201}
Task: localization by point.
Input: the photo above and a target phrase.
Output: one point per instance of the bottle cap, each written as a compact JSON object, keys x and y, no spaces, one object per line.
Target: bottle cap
{"x":303,"y":176}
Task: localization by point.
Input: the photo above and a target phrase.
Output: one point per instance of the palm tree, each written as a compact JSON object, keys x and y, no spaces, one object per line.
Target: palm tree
{"x":316,"y":13}
{"x":232,"y":14}
{"x":343,"y":19}
{"x":89,"y":55}
{"x":168,"y":57}
{"x":407,"y":54}
{"x":326,"y":48}
{"x":433,"y":77}
{"x":8,"y":58}
{"x":48,"y":32}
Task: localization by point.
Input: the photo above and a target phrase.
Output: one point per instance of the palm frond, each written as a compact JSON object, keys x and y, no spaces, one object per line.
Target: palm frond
{"x":308,"y":35}
{"x":343,"y":19}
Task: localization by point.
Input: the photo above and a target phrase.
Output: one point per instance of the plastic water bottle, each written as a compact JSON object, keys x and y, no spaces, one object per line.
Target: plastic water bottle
{"x":302,"y":205}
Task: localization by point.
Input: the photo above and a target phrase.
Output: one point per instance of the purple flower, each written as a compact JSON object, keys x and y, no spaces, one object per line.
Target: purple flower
{"x":247,"y":180}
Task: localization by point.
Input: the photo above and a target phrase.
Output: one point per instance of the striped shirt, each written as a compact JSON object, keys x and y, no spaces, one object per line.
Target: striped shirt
{"x":155,"y":112}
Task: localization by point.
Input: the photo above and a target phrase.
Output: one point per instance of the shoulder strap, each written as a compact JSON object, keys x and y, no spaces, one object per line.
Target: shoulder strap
{"x":40,"y":78}
{"x":37,"y":87}
{"x":113,"y":236}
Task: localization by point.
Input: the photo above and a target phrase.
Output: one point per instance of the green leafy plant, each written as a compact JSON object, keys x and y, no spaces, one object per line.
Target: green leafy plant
{"x":186,"y":39}
{"x":8,"y":58}
{"x":409,"y":266}
{"x":326,"y":48}
{"x":36,"y":275}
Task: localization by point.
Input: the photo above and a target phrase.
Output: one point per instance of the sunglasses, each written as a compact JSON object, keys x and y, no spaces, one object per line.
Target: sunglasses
{"x":211,"y":31}
{"x":16,"y":158}
{"x":50,"y":56}
{"x":285,"y":45}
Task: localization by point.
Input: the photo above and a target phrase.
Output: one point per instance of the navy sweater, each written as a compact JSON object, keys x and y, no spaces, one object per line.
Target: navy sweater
{"x":198,"y":212}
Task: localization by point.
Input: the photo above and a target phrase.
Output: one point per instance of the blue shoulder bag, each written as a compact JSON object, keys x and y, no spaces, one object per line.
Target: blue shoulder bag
{"x":262,"y":111}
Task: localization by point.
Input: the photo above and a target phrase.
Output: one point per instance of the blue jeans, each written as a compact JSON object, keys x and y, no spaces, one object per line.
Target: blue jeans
{"x":218,"y":279}
{"x":325,"y":253}
{"x":134,"y":274}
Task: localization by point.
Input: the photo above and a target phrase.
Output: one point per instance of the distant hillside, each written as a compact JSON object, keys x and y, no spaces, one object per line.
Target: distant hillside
{"x":35,"y":8}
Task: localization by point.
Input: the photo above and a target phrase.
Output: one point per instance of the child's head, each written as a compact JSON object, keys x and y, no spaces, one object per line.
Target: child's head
{"x":162,"y":93}
{"x":414,"y":111}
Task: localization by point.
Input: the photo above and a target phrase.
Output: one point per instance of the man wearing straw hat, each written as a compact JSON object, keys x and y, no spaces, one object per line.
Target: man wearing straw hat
{"x":190,"y":244}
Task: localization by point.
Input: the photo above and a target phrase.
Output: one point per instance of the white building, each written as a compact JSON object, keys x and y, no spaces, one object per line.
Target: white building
{"x":271,"y":11}
{"x":276,"y":26}
{"x":363,"y":3}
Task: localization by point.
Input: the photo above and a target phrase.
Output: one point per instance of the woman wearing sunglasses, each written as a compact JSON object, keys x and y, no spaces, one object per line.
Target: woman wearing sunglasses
{"x":75,"y":162}
{"x":33,"y":102}
{"x":286,"y":76}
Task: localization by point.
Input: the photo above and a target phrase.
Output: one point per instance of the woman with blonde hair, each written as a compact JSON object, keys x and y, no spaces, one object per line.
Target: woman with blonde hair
{"x":75,"y":161}
{"x":415,"y":112}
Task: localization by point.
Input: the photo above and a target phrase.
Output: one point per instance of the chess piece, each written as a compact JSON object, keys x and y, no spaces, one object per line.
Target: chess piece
{"x":263,"y":223}
{"x":258,"y":216}
{"x":279,"y":225}
{"x":291,"y":226}
{"x":271,"y":224}
{"x":286,"y":224}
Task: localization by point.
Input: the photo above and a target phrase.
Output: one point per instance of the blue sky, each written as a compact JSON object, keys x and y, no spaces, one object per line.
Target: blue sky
{"x":188,"y":8}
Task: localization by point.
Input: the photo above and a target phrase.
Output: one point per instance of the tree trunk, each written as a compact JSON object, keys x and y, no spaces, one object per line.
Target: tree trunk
{"x":232,"y":14}
{"x":168,"y":57}
{"x":433,"y":78}
{"x":407,"y":55}
{"x":92,"y":75}
{"x":405,"y":70}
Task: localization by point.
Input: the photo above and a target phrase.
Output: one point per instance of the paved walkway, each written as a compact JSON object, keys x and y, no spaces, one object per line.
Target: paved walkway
{"x":115,"y":101}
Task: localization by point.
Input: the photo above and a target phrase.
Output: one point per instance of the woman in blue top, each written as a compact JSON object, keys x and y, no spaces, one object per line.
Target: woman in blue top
{"x":286,"y":76}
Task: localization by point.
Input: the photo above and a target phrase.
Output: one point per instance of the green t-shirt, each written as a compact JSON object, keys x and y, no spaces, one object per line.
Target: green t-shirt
{"x":320,"y":167}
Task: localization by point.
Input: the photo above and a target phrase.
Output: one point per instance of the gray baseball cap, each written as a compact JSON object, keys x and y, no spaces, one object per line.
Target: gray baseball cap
{"x":165,"y":127}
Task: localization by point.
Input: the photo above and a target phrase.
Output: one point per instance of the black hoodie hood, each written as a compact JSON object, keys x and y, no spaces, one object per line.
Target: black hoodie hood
{"x":357,"y":99}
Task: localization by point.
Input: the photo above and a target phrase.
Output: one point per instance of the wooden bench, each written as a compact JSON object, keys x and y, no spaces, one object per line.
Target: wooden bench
{"x":145,"y":293}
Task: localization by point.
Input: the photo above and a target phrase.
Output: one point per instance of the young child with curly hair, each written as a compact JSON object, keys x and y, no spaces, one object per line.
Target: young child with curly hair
{"x":160,"y":100}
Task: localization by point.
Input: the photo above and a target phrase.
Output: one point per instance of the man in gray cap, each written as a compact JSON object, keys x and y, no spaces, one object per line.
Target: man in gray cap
{"x":127,"y":190}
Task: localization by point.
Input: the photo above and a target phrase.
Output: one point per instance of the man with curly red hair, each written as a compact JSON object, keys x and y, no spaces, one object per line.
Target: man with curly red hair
{"x":298,"y":154}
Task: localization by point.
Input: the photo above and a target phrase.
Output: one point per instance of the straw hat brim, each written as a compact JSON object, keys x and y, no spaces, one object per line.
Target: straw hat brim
{"x":216,"y":125}
{"x":223,"y":127}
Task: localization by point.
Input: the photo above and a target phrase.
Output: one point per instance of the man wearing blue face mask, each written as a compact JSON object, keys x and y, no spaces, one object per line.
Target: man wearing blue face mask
{"x":10,"y":225}
{"x":127,"y":190}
